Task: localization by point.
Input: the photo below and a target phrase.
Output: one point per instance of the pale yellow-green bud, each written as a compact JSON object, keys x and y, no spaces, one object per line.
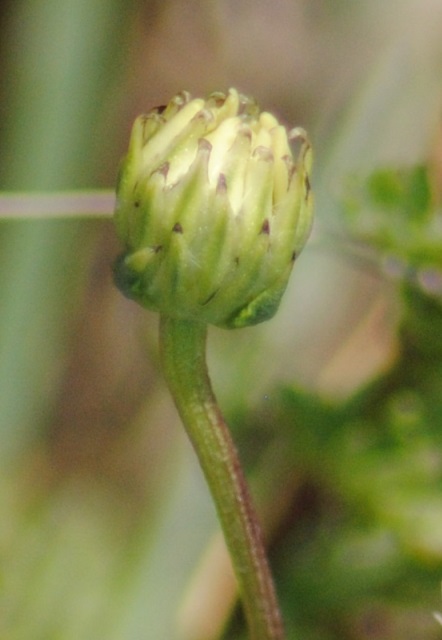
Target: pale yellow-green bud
{"x":213,"y":208}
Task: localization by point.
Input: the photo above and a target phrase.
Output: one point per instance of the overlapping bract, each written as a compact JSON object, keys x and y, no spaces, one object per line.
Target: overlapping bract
{"x":213,"y":209}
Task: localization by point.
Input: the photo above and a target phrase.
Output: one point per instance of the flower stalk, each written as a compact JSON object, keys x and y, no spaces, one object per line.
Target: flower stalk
{"x":183,"y":355}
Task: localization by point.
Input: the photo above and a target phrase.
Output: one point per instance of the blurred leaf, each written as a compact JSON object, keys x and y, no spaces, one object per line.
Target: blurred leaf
{"x":396,"y":213}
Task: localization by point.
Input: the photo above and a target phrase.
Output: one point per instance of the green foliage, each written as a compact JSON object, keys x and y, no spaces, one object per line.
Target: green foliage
{"x":361,"y":553}
{"x":396,"y":212}
{"x":363,"y":542}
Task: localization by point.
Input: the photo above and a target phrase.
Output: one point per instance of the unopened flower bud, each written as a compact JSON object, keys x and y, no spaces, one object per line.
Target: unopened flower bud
{"x":213,"y":208}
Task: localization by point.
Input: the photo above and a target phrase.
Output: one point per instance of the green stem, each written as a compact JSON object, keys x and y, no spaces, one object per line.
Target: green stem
{"x":183,"y":353}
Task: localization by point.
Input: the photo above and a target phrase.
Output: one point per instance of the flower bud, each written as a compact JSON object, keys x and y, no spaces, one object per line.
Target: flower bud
{"x":213,"y":208}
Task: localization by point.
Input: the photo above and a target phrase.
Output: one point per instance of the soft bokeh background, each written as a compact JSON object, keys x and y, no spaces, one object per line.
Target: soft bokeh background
{"x":106,"y":528}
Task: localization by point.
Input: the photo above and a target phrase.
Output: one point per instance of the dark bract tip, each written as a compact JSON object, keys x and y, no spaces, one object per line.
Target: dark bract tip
{"x":125,"y":279}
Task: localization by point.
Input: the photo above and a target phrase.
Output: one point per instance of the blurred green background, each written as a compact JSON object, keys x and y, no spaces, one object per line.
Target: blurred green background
{"x":106,"y":527}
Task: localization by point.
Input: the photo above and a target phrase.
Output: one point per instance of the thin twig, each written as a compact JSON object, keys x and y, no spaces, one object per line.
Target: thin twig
{"x":56,"y":204}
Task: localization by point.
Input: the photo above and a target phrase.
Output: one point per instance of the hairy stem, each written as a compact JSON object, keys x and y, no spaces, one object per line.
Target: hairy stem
{"x":183,"y":353}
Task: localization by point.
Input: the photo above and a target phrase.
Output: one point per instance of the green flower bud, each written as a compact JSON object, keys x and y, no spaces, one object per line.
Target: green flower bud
{"x":213,"y":209}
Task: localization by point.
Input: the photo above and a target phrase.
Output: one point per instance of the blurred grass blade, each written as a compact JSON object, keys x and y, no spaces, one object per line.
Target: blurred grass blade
{"x":58,"y":78}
